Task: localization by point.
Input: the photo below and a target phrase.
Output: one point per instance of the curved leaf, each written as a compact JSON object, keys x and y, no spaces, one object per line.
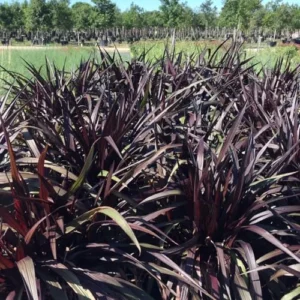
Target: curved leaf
{"x":72,"y":280}
{"x":294,"y":294}
{"x":26,"y":268}
{"x":108,"y":211}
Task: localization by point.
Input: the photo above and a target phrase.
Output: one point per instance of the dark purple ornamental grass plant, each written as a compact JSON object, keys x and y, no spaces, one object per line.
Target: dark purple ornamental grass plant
{"x":174,"y":179}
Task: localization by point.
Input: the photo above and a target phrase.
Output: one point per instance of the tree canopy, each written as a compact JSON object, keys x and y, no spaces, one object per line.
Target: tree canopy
{"x":101,"y":14}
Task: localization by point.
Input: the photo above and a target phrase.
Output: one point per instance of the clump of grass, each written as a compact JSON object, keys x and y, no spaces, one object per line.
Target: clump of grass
{"x":168,"y":180}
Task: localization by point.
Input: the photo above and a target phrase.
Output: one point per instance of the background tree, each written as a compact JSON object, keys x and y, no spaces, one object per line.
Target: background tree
{"x":37,"y":15}
{"x":5,"y":16}
{"x":208,"y":14}
{"x":133,"y":17}
{"x":83,"y":15}
{"x":118,"y":17}
{"x":61,"y":14}
{"x":17,"y":13}
{"x":237,"y":13}
{"x":153,"y":18}
{"x":250,"y":15}
{"x":188,"y":17}
{"x":172,"y":13}
{"x":278,"y":15}
{"x":105,"y":13}
{"x":295,"y":20}
{"x":257,"y":19}
{"x":12,"y":16}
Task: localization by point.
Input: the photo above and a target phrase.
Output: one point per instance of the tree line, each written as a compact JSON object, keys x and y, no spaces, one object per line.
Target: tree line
{"x":101,"y":14}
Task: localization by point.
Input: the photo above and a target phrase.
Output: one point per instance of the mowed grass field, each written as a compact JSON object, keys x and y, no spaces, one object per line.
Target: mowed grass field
{"x":264,"y":56}
{"x":14,"y":59}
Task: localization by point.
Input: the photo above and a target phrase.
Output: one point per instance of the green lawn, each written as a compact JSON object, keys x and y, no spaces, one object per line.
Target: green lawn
{"x":155,"y":49}
{"x":13,"y":59}
{"x":266,"y":56}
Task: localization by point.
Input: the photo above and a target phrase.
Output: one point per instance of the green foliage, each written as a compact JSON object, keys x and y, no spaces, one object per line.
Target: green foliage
{"x":246,"y":15}
{"x":5,"y":15}
{"x":83,"y":15}
{"x":176,"y":14}
{"x":38,"y":15}
{"x":278,"y":15}
{"x":153,"y":18}
{"x":238,"y":13}
{"x":208,"y":14}
{"x":295,"y":20}
{"x":133,"y":17}
{"x":12,"y":17}
{"x":105,"y":13}
{"x":61,"y":14}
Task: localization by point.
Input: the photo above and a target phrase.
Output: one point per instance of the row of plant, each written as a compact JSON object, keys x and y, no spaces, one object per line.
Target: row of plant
{"x":174,"y":179}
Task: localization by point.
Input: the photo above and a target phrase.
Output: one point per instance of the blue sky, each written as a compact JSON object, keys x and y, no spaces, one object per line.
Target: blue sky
{"x":154,"y":4}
